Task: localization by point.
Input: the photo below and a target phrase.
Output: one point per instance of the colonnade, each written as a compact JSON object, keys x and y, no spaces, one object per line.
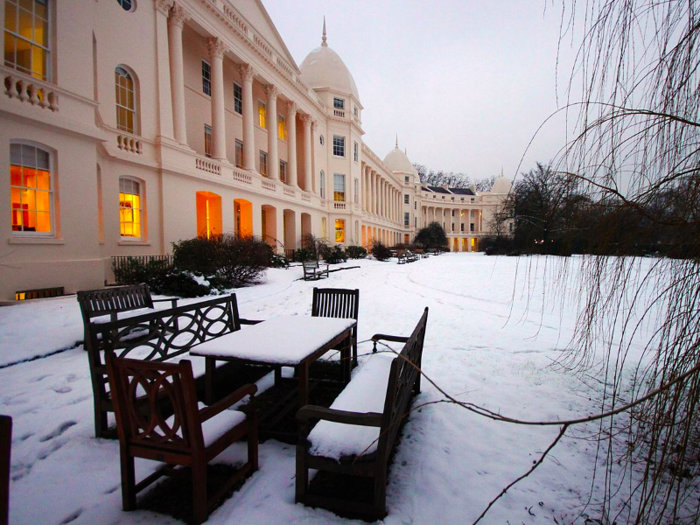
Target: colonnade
{"x":176,"y":17}
{"x":461,"y":216}
{"x":382,"y":197}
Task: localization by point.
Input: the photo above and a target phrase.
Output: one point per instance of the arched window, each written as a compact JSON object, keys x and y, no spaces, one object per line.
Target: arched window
{"x":130,"y":209}
{"x":31,"y":190}
{"x":126,"y":100}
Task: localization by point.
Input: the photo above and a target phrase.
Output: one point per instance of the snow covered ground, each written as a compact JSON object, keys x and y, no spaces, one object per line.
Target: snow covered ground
{"x":494,"y":331}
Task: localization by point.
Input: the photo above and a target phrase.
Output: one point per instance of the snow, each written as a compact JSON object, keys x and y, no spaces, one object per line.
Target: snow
{"x":494,"y":332}
{"x":365,"y":393}
{"x":276,"y":340}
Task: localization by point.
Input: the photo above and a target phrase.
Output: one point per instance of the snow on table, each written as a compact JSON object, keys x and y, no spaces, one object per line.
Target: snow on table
{"x":284,"y":340}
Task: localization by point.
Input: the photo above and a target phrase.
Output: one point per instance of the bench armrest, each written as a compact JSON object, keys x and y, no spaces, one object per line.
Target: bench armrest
{"x":173,"y":302}
{"x":226,"y":402}
{"x":250,"y":321}
{"x":364,"y":419}
{"x":386,"y":337}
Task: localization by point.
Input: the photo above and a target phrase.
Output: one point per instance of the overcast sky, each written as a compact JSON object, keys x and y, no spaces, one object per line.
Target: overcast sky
{"x":464,"y":83}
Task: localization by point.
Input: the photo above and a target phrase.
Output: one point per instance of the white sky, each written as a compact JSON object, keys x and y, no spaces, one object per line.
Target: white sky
{"x":465,"y":84}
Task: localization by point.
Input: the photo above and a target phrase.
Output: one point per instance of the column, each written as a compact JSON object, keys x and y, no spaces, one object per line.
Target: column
{"x":218,"y":117}
{"x":273,"y":162}
{"x":165,"y":101}
{"x":247,"y":73}
{"x":292,"y":147}
{"x":307,"y":153}
{"x":176,"y":22}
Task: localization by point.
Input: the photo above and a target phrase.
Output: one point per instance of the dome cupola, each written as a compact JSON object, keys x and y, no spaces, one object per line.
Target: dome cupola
{"x":397,"y":160}
{"x":324,"y":69}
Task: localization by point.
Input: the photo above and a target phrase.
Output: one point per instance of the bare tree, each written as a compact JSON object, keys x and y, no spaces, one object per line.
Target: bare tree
{"x":636,"y":148}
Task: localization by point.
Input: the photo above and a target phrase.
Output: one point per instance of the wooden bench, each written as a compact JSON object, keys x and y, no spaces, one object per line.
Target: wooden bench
{"x":313,"y":270}
{"x":108,"y":303}
{"x":161,"y":335}
{"x":357,"y":434}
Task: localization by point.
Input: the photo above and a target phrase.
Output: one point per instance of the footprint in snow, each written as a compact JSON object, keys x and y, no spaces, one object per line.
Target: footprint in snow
{"x":61,"y":389}
{"x":60,"y":430}
{"x":38,"y":378}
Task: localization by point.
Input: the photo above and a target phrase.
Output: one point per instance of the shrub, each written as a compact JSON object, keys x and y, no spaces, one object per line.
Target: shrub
{"x":335,"y":255}
{"x":381,"y":252}
{"x":182,"y":284}
{"x":227,"y":261}
{"x":134,"y":271}
{"x":302,"y":254}
{"x":315,"y":245}
{"x":356,"y":252}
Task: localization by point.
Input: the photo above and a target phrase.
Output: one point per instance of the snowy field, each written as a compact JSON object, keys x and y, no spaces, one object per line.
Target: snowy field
{"x":494,"y":332}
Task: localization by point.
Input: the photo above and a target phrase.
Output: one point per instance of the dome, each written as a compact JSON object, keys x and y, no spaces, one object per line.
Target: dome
{"x":323,"y":68}
{"x":396,"y":160}
{"x":501,"y":185}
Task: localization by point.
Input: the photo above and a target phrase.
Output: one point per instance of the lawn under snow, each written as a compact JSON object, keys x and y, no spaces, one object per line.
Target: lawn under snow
{"x":489,"y":341}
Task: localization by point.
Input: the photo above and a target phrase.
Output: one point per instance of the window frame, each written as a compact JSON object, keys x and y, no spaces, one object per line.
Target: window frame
{"x":339,"y":145}
{"x":206,"y":78}
{"x":281,"y":127}
{"x":406,"y":198}
{"x":238,"y":154}
{"x":207,"y":141}
{"x":339,"y":103}
{"x":237,"y":100}
{"x":51,"y":190}
{"x":356,"y":193}
{"x":262,"y":115}
{"x":339,"y":236}
{"x":47,"y":54}
{"x":262,"y":158}
{"x":406,"y":218}
{"x":140,"y":211}
{"x":283,"y":171}
{"x":356,"y":151}
{"x":322,"y":185}
{"x":338,"y":195}
{"x":132,"y":5}
{"x":134,"y":94}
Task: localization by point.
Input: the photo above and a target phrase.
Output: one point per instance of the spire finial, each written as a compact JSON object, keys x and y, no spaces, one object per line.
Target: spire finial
{"x":323,"y":40}
{"x":397,"y":140}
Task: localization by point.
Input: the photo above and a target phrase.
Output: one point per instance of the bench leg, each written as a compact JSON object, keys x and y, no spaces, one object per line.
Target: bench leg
{"x":199,"y":492}
{"x":302,"y":476}
{"x":209,"y":380}
{"x":128,"y":481}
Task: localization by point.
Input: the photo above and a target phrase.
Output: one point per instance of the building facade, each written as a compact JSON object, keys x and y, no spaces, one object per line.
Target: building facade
{"x":127,"y":125}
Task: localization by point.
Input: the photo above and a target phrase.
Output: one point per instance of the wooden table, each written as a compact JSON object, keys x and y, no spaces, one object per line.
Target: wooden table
{"x":291,"y":340}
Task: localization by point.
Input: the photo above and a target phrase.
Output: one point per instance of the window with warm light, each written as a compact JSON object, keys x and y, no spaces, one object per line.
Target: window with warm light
{"x":208,"y":214}
{"x":206,"y":78}
{"x":263,"y":163}
{"x":207,"y":140}
{"x":338,"y":146}
{"x":339,"y":230}
{"x":262,"y":111}
{"x":281,"y":127}
{"x":31,"y":190}
{"x":126,"y":100}
{"x":324,"y":234}
{"x":338,"y":187}
{"x":237,"y":98}
{"x":27,"y":37}
{"x":130,"y":209}
{"x":238,"y":154}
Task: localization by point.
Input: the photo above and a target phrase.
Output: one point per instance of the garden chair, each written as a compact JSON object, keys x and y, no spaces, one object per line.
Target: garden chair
{"x":339,"y":303}
{"x":5,"y":442}
{"x":145,"y":394}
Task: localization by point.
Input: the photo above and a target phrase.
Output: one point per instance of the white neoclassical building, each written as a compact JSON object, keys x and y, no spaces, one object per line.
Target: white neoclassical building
{"x":127,"y":125}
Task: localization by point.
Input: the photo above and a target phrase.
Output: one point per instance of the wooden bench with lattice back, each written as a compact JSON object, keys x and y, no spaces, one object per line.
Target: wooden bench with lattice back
{"x":357,"y":434}
{"x":107,"y":303}
{"x":161,"y":335}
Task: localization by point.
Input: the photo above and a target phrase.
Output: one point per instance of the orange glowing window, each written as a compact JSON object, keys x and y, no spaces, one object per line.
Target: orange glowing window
{"x":282,"y":127}
{"x":208,"y":214}
{"x":339,"y":230}
{"x":262,"y":111}
{"x":31,"y":191}
{"x":130,"y":209}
